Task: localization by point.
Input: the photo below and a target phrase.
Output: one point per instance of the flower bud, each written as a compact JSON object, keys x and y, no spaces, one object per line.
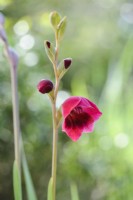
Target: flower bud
{"x":49,"y":51}
{"x":45,"y":86}
{"x":63,"y":67}
{"x":48,"y":44}
{"x":67,"y":62}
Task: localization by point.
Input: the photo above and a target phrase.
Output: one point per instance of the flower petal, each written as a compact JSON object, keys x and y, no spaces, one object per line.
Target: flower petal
{"x":89,"y":128}
{"x":94,"y":113}
{"x":90,"y":108}
{"x":69,"y":105}
{"x":73,"y":133}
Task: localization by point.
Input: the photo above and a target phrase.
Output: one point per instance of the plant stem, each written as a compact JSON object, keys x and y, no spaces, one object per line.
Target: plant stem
{"x":15,"y":115}
{"x":55,"y":125}
{"x":54,"y":153}
{"x":16,"y":121}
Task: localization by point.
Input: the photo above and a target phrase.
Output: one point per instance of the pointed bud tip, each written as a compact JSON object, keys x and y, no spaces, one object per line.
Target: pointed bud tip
{"x":67,"y":62}
{"x":48,"y":44}
{"x":45,"y":86}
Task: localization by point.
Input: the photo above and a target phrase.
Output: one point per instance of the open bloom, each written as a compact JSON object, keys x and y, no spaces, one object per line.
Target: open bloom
{"x":79,"y":115}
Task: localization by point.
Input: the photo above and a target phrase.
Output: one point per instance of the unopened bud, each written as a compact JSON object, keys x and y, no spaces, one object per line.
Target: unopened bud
{"x":45,"y":86}
{"x":63,"y":67}
{"x":49,"y":51}
{"x":67,"y":62}
{"x":48,"y":44}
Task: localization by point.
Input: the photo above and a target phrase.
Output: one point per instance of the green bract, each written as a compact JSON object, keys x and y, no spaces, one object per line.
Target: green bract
{"x":61,"y":28}
{"x":55,"y":19}
{"x":50,"y":51}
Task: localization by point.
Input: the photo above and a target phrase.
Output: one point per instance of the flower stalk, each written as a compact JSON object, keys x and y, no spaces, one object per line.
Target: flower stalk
{"x":13,"y":61}
{"x":55,"y":125}
{"x":17,"y":137}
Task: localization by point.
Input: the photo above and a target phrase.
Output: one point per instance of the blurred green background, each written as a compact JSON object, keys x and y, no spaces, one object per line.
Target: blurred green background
{"x":99,"y":38}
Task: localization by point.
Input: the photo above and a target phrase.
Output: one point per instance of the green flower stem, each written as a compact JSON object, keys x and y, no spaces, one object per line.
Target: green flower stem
{"x":17,"y":139}
{"x":55,"y":123}
{"x":16,"y":122}
{"x":55,"y":138}
{"x":54,"y":153}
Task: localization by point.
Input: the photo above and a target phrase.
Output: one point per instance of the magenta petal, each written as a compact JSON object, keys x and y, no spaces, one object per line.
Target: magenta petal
{"x":69,"y":105}
{"x":88,"y":128}
{"x":94,"y":113}
{"x":74,"y":134}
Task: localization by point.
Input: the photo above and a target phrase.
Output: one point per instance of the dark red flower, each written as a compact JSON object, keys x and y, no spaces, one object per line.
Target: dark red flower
{"x":45,"y":86}
{"x":79,"y":115}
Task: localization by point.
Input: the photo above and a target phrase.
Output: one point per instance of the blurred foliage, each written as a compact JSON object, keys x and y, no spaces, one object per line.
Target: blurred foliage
{"x":99,"y":38}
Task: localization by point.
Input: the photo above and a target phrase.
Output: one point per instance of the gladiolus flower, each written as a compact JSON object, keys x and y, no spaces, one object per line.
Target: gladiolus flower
{"x":45,"y":86}
{"x":79,"y":116}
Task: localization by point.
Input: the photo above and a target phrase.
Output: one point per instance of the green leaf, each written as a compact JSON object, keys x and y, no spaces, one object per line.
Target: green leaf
{"x":50,"y":189}
{"x":50,"y":51}
{"x":28,"y":180}
{"x":17,"y":182}
{"x":55,"y":19}
{"x":62,"y":28}
{"x":74,"y":192}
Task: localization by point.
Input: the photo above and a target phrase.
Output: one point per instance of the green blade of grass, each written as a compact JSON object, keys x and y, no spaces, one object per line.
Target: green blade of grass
{"x":50,"y":189}
{"x":31,"y":194}
{"x":74,"y":192}
{"x":17,"y":182}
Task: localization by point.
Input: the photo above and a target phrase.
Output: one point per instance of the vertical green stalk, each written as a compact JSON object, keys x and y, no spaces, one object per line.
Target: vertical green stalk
{"x":15,"y":115}
{"x":16,"y":122}
{"x":55,"y":125}
{"x":54,"y":153}
{"x":13,"y":61}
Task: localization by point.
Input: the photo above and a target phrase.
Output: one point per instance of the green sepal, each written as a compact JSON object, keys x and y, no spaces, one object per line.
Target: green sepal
{"x":50,"y":51}
{"x":55,"y":19}
{"x":17,"y":182}
{"x":50,"y":189}
{"x":61,"y":28}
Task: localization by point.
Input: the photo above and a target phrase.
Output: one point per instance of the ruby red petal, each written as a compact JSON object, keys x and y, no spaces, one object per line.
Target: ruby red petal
{"x":74,"y":134}
{"x":88,"y":128}
{"x":94,"y":113}
{"x":69,"y":105}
